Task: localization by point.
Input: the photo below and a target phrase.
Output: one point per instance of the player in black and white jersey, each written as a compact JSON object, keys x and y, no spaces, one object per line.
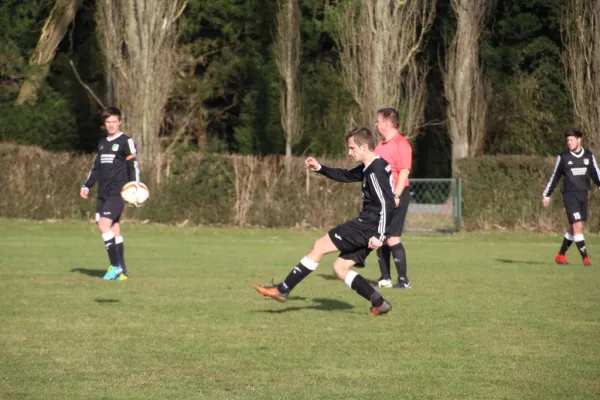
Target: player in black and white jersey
{"x":115,"y":164}
{"x":356,"y":238}
{"x":576,"y":166}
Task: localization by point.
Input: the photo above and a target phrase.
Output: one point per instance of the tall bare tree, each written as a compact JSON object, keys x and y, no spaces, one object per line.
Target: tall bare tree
{"x":378,"y":41}
{"x":139,"y":45}
{"x":581,"y":59}
{"x":287,"y":51}
{"x":53,"y":31}
{"x":464,"y":84}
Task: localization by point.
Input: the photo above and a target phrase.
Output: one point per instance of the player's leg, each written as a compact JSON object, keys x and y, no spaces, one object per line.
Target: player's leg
{"x":572,"y":210}
{"x":342,"y":268}
{"x":397,"y":249}
{"x":578,"y":237}
{"x":119,"y":245}
{"x":308,"y":264}
{"x":109,"y":215}
{"x":383,"y":258}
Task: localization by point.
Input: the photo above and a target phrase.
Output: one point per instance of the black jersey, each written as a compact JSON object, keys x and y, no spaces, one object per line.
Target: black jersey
{"x":377,"y":195}
{"x":577,"y":169}
{"x":115,"y":165}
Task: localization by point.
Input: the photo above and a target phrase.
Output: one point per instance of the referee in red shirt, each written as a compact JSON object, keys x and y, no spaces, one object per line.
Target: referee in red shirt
{"x":397,"y":151}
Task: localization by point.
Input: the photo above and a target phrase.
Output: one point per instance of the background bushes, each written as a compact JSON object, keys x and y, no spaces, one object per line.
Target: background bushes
{"x":499,"y":192}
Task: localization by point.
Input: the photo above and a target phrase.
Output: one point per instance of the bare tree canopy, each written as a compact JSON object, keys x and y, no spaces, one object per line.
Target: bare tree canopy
{"x":55,"y":28}
{"x":378,"y":41}
{"x":139,"y":45}
{"x":581,"y":36}
{"x":287,"y":58}
{"x":464,"y":84}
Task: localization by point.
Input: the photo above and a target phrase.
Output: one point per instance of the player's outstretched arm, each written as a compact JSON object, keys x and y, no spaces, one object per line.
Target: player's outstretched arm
{"x":595,"y":172}
{"x":337,"y":174}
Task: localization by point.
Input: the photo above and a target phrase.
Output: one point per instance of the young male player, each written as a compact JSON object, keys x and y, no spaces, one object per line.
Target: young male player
{"x":353,"y":239}
{"x":576,"y":166}
{"x":115,"y":165}
{"x":397,"y":151}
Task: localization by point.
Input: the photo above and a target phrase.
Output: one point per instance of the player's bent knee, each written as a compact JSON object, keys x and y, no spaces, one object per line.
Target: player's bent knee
{"x":341,"y":267}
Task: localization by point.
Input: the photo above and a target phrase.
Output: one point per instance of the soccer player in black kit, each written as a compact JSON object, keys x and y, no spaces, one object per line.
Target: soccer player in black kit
{"x":115,"y":165}
{"x":356,"y":238}
{"x":576,"y":167}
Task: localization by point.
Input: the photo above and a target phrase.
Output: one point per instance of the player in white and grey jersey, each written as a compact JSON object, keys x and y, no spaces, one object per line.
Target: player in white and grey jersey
{"x":115,"y":164}
{"x":356,"y":238}
{"x":576,"y":166}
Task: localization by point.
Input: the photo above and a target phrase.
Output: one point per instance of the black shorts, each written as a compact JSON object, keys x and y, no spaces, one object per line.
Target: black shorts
{"x":109,"y":207}
{"x":576,"y":206}
{"x":352,"y":239}
{"x":396,"y":225}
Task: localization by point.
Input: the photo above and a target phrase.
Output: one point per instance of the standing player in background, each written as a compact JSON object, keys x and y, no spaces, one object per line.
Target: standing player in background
{"x":115,"y":165}
{"x":576,"y":166}
{"x":397,"y":151}
{"x":353,"y":239}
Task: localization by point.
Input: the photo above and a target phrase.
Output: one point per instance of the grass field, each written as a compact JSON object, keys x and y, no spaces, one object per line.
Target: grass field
{"x":490,"y":316}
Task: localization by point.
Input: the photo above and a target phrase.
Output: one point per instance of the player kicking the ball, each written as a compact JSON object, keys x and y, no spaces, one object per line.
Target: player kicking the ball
{"x":115,"y":165}
{"x":356,"y":238}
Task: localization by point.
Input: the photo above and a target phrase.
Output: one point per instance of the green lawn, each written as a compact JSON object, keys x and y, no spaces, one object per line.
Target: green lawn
{"x":490,"y":316}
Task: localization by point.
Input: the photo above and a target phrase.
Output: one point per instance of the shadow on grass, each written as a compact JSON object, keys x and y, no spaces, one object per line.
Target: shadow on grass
{"x":106,"y":301}
{"x":319,"y":304}
{"x":91,"y":272}
{"x":507,"y":261}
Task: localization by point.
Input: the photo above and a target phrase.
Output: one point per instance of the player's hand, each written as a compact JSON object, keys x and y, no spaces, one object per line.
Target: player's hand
{"x":375,"y":243}
{"x":546,"y":201}
{"x":311,"y":164}
{"x":396,"y":202}
{"x":83,"y":193}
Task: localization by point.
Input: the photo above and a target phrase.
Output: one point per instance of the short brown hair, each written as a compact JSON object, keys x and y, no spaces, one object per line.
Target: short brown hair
{"x":573,"y":132}
{"x":362,"y":135}
{"x":390,"y":114}
{"x":111,"y":111}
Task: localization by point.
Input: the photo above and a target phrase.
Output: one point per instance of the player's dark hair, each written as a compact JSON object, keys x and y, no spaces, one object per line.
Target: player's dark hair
{"x":362,"y":135}
{"x":573,"y":132}
{"x":111,"y":111}
{"x":390,"y":114}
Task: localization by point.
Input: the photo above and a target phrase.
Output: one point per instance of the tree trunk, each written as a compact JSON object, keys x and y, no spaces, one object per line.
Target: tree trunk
{"x":53,"y":31}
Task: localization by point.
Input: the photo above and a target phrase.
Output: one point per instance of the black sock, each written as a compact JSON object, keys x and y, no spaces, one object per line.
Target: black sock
{"x":297,"y":274}
{"x":582,"y":249}
{"x":399,"y":255}
{"x":111,"y":248}
{"x":567,"y":242}
{"x":383,"y":256}
{"x":363,"y":288}
{"x":120,"y":252}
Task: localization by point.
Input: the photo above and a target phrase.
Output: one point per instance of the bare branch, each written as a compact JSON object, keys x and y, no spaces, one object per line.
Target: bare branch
{"x":378,"y":42}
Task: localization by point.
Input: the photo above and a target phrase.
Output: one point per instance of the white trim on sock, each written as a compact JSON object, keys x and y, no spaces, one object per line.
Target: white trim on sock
{"x":309,"y":264}
{"x":578,"y":238}
{"x":118,"y":239}
{"x":568,"y":236}
{"x":350,"y":278}
{"x":108,"y":236}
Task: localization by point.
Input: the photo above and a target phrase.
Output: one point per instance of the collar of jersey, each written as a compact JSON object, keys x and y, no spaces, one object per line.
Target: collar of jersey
{"x":114,"y":137}
{"x":577,"y":155}
{"x":367,"y":166}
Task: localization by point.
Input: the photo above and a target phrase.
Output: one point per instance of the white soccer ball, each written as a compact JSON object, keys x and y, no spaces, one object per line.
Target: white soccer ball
{"x":135,"y":194}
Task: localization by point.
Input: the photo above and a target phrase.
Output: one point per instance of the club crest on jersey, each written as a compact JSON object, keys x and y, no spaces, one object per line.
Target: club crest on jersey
{"x":115,"y":147}
{"x":586,"y":161}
